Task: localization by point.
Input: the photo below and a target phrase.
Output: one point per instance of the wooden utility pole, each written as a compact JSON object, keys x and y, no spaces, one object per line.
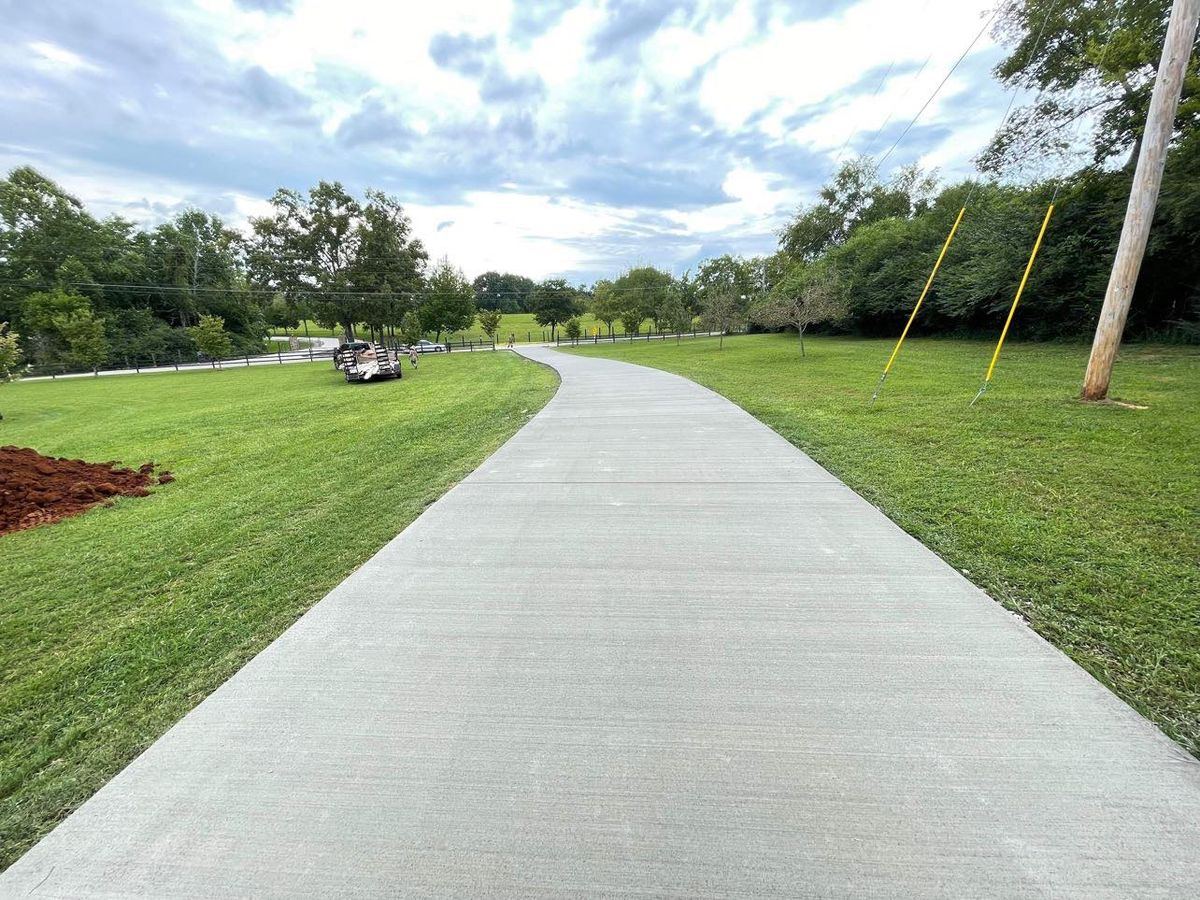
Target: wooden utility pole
{"x":1143,"y":197}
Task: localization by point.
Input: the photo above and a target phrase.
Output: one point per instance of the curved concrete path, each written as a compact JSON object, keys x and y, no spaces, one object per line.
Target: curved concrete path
{"x":647,"y":648}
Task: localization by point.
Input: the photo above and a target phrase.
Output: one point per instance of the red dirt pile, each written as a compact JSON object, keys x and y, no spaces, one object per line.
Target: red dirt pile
{"x":36,"y":489}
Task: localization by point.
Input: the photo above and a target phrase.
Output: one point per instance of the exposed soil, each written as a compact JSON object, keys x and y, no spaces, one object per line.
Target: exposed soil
{"x":36,"y":489}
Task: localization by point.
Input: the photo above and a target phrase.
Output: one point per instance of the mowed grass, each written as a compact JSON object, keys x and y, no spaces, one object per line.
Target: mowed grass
{"x":1085,"y":519}
{"x":116,"y":623}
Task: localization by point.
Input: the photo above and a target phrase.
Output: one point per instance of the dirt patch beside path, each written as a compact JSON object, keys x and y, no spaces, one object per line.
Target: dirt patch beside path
{"x":36,"y":489}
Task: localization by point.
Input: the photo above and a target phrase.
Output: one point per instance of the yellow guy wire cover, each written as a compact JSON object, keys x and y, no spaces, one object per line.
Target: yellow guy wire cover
{"x":913,"y":315}
{"x":1020,"y":290}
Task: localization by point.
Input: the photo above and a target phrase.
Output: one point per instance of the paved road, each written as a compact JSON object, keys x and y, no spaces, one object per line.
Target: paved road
{"x":648,"y":647}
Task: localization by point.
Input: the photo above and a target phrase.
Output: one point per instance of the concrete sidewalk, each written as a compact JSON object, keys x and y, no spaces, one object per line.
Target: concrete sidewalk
{"x":647,"y":647}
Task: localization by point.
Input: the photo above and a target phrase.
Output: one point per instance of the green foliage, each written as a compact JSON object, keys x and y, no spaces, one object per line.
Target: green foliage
{"x":604,"y":305}
{"x":722,"y":311}
{"x":410,"y":327}
{"x":884,"y":263}
{"x":505,"y":292}
{"x":212,"y":338}
{"x":729,"y":278}
{"x":489,"y":321}
{"x":349,"y":262}
{"x":10,"y":353}
{"x":638,"y":293}
{"x":449,"y":304}
{"x":1083,"y":61}
{"x":572,"y":329}
{"x":1018,"y":492}
{"x":673,"y":314}
{"x":806,"y":295}
{"x":280,"y":313}
{"x":552,"y":303}
{"x":41,"y":316}
{"x":856,"y":197}
{"x":83,"y":334}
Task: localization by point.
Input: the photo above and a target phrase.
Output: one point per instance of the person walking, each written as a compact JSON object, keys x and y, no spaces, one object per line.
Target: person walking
{"x":512,"y":338}
{"x":412,"y":356}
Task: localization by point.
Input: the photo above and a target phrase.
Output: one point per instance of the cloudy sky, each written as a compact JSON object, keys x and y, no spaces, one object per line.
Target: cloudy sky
{"x":548,"y":138}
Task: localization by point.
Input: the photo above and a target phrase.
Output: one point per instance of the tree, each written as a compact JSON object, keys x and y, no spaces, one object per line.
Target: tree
{"x":552,"y":303}
{"x":197,"y":261}
{"x":282,"y":314}
{"x":10,"y":354}
{"x":673,"y":315}
{"x":389,"y":263}
{"x":1091,"y":62}
{"x":726,"y":274}
{"x":410,"y":328}
{"x":806,"y":295}
{"x":449,"y":304}
{"x":572,"y":329}
{"x":41,"y":314}
{"x":854,"y":198}
{"x":506,"y":292}
{"x":84,"y":335}
{"x":489,"y":321}
{"x":722,"y":312}
{"x":308,"y":247}
{"x":604,"y":305}
{"x":212,"y":338}
{"x":638,"y":293}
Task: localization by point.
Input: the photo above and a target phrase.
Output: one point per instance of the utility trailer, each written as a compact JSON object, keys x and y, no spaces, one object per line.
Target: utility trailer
{"x":361,"y":361}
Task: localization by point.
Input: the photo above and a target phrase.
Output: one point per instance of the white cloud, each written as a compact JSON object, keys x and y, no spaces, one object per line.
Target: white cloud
{"x":54,"y":59}
{"x":607,"y":158}
{"x":534,"y":234}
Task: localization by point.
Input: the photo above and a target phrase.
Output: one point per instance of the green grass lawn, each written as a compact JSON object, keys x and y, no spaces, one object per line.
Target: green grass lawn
{"x":117,"y":622}
{"x":1085,"y":519}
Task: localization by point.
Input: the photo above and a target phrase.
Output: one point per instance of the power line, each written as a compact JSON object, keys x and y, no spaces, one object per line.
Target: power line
{"x":941,"y":85}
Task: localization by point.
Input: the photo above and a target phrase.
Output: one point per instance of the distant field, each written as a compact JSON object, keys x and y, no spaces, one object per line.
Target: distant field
{"x":1085,"y":519}
{"x":520,"y":324}
{"x":116,"y":623}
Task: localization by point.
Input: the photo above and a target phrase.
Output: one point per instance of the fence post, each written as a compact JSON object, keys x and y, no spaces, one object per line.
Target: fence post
{"x":176,"y":360}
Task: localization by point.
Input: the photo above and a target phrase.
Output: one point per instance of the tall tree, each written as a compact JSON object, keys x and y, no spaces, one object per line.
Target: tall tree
{"x":639,"y":293}
{"x":854,"y":198}
{"x":87,"y":345}
{"x":449,"y":303}
{"x":308,"y":247}
{"x":197,"y":260}
{"x":503,"y":291}
{"x":727,"y":276}
{"x":389,"y":263}
{"x":604,"y":305}
{"x":552,"y":303}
